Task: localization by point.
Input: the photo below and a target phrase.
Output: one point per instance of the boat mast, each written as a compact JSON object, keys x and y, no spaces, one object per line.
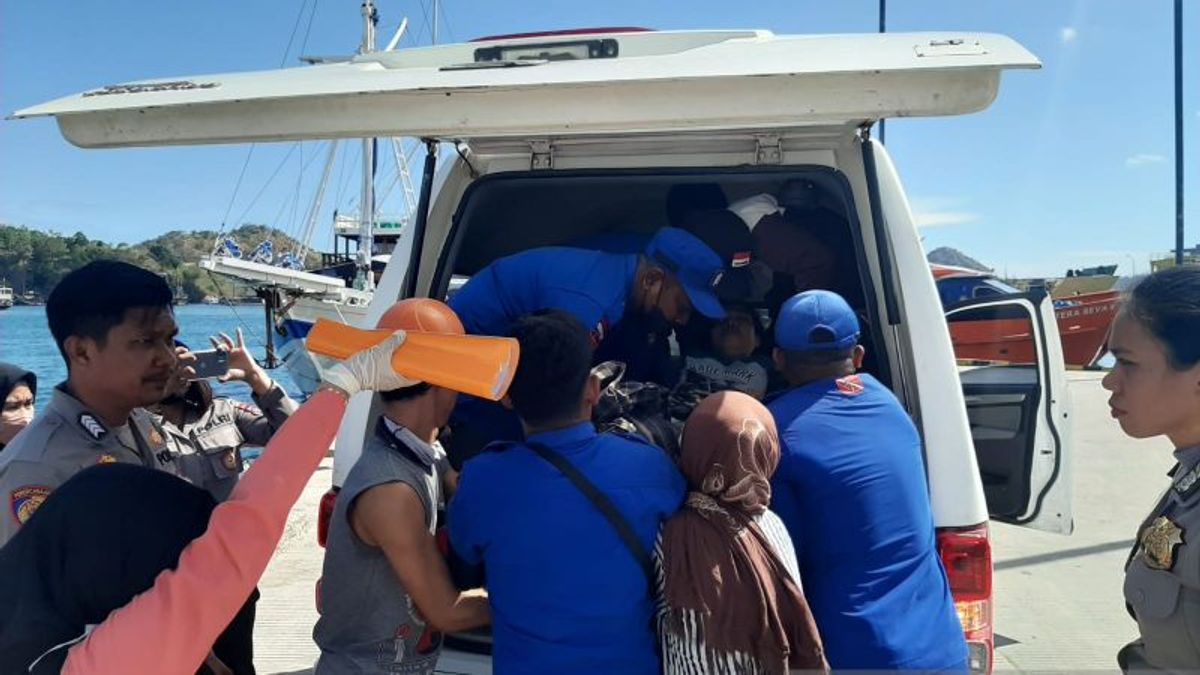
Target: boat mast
{"x":367,"y":201}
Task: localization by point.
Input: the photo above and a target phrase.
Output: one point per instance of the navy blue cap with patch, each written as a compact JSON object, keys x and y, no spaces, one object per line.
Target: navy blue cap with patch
{"x":695,"y":265}
{"x":816,"y":321}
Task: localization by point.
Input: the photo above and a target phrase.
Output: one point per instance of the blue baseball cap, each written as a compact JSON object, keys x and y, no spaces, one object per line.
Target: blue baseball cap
{"x":695,"y":265}
{"x":816,"y":321}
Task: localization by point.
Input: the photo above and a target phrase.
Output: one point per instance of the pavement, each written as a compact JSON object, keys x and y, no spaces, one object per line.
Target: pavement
{"x":1058,"y":598}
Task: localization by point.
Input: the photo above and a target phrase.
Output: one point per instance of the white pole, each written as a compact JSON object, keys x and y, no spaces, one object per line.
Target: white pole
{"x":367,"y":201}
{"x":396,"y":38}
{"x":315,"y":210}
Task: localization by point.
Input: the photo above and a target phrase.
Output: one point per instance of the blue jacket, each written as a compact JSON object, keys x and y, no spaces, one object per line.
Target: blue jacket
{"x":567,"y":596}
{"x":851,"y":489}
{"x":593,"y":286}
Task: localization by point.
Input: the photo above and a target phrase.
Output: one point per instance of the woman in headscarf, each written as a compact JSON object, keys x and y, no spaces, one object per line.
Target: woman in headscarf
{"x":729,"y":593}
{"x":18,"y":388}
{"x":80,"y":595}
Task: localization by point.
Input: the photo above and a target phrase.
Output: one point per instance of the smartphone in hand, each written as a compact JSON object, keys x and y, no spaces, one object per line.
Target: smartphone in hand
{"x":211,"y":363}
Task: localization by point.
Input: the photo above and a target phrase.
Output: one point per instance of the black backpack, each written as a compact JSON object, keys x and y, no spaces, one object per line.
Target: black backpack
{"x":636,"y":408}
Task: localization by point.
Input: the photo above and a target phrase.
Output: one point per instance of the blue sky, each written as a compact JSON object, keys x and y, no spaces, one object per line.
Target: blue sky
{"x":1072,"y":166}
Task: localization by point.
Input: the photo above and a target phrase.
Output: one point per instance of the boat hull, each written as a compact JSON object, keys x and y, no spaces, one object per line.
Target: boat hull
{"x":1083,"y":323}
{"x":294,"y":325}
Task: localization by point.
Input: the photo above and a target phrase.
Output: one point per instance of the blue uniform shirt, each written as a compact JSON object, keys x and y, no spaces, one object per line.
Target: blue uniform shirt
{"x":567,"y":596}
{"x":593,"y":286}
{"x":851,"y":489}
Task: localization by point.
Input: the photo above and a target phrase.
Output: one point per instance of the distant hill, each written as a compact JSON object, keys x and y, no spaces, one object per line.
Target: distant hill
{"x":35,"y":261}
{"x":946,"y":255}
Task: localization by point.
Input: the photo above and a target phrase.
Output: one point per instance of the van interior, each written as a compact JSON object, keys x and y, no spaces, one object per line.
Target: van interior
{"x":507,"y":213}
{"x":503,"y":214}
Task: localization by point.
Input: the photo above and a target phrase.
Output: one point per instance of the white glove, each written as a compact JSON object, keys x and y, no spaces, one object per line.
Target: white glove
{"x":370,"y":369}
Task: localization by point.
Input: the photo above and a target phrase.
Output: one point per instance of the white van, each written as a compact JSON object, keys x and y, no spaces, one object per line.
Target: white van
{"x":558,"y":136}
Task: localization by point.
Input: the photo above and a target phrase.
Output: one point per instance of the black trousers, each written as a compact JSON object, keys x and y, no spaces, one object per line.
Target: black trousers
{"x":235,"y":645}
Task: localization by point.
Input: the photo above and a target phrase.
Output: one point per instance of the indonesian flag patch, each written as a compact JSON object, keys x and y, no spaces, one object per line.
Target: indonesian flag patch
{"x":599,"y":333}
{"x":851,"y":385}
{"x":740,"y":259}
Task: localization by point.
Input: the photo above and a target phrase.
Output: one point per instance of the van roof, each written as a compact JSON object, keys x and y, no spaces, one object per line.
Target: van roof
{"x":559,"y":85}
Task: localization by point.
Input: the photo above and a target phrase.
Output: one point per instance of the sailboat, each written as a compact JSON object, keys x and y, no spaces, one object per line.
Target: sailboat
{"x":341,"y":287}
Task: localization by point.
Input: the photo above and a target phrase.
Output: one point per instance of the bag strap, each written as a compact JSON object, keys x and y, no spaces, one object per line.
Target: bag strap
{"x":603,"y":504}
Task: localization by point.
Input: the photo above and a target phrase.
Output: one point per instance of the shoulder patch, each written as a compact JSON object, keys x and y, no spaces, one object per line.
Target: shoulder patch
{"x":26,"y":499}
{"x":92,"y":426}
{"x":851,"y":385}
{"x":248,"y":409}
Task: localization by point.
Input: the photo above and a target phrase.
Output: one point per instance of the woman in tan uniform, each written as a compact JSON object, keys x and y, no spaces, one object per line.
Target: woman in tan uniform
{"x":1155,"y":388}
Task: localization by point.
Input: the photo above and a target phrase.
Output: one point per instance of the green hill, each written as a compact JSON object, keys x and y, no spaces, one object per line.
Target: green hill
{"x":34,"y":261}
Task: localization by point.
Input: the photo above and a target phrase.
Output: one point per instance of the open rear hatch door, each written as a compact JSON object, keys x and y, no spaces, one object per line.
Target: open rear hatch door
{"x":559,"y":86}
{"x":1014,"y":382}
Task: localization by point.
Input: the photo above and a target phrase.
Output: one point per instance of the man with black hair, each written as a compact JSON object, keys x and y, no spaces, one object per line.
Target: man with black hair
{"x":386,"y":595}
{"x":851,"y":489}
{"x":115,"y":328}
{"x":568,"y":589}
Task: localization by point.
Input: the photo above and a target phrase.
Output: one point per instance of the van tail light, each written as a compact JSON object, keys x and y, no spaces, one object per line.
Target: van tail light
{"x":967,"y":556}
{"x":325,"y":515}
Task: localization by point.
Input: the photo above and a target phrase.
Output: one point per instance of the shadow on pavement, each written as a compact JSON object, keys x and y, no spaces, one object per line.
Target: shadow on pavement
{"x":1062,"y":555}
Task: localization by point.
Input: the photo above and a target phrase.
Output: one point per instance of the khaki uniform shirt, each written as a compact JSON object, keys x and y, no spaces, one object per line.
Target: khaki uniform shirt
{"x":1162,"y":579}
{"x":207,"y":448}
{"x":65,"y":439}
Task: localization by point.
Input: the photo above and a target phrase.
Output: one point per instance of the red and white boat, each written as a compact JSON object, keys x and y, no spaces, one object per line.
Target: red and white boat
{"x":1083,"y":320}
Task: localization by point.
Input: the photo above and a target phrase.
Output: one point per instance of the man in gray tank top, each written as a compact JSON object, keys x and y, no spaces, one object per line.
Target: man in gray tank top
{"x":386,"y":595}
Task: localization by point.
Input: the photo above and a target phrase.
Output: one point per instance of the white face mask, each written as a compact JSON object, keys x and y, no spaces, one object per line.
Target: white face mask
{"x":14,"y":420}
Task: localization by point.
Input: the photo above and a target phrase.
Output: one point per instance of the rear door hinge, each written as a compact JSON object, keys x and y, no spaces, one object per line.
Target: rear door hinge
{"x":768,"y":150}
{"x":543,"y":155}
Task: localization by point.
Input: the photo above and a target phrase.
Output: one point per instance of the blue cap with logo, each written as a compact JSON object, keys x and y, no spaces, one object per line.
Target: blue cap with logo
{"x":816,"y":321}
{"x":695,"y":265}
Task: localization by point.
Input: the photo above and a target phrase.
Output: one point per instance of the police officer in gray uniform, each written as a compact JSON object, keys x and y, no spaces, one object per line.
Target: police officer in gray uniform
{"x":114,"y":326}
{"x":1162,"y":577}
{"x":65,"y":439}
{"x":206,"y":434}
{"x":1155,"y":388}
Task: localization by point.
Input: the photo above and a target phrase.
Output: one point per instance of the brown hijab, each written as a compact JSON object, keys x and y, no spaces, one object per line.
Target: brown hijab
{"x":718,"y":562}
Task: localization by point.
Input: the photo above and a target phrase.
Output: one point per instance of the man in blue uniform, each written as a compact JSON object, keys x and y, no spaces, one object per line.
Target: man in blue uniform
{"x":676,"y":273}
{"x":641,"y":342}
{"x":568,"y":593}
{"x":851,"y":489}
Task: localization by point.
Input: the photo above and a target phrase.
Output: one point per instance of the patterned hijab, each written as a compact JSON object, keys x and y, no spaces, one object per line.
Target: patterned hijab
{"x":718,"y":562}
